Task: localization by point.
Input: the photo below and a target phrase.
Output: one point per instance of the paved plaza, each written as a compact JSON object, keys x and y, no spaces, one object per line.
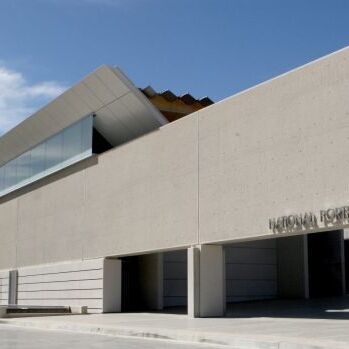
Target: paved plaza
{"x":12,"y":337}
{"x":314,"y":324}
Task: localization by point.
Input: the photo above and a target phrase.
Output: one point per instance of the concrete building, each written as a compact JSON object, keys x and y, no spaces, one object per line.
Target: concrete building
{"x":122,"y":199}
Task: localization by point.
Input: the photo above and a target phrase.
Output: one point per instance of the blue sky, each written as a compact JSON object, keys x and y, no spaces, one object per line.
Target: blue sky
{"x":206,"y":47}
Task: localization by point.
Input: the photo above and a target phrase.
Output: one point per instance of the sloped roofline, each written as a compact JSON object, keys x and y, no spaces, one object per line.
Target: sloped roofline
{"x":122,"y":113}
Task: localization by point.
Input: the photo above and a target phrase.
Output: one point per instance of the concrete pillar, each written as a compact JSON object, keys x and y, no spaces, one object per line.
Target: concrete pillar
{"x":12,"y":287}
{"x":151,"y":280}
{"x":346,"y":234}
{"x":293,"y":273}
{"x":206,"y":281}
{"x":112,"y":285}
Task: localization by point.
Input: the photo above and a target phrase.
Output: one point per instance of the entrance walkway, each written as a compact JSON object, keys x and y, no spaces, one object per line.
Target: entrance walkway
{"x":276,"y":324}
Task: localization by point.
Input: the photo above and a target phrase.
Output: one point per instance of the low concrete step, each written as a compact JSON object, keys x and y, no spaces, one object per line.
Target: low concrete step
{"x":29,"y":310}
{"x":35,"y":309}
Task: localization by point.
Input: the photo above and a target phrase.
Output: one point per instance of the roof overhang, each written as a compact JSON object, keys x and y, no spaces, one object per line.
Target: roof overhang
{"x":122,"y":113}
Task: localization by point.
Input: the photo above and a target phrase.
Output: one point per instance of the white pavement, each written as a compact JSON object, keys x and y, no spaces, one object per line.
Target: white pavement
{"x":24,"y":338}
{"x":259,"y":325}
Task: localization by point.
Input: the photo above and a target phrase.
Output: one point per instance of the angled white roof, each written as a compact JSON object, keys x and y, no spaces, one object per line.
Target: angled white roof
{"x":122,"y":113}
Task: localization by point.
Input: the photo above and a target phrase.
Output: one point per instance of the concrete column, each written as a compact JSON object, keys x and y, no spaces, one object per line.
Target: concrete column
{"x":293,"y":273}
{"x":12,"y":287}
{"x":206,"y":281}
{"x":346,"y":234}
{"x":151,"y":280}
{"x":112,"y":285}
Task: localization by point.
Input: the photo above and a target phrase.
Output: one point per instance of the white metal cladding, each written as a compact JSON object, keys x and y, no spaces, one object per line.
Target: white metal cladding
{"x":122,"y":113}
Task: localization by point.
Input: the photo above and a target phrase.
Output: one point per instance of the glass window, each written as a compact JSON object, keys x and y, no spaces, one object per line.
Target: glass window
{"x":38,"y":159}
{"x":57,"y":152}
{"x":20,"y":169}
{"x":10,"y":174}
{"x":72,"y":141}
{"x":26,"y":166}
{"x":1,"y":179}
{"x":86,"y":142}
{"x":53,"y":151}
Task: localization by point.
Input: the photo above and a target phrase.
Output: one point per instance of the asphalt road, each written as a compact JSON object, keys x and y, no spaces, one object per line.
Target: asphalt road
{"x":22,"y":338}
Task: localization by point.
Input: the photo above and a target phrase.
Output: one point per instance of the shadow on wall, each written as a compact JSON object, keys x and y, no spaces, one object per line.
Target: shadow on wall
{"x":320,"y":308}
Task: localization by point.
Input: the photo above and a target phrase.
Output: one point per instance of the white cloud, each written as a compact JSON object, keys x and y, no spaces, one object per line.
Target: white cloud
{"x":19,"y":99}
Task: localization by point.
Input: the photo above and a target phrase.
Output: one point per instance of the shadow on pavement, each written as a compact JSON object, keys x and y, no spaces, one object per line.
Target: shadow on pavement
{"x":321,"y":308}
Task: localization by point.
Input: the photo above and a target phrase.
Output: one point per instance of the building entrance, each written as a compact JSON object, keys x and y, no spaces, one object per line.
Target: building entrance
{"x":142,"y":283}
{"x":346,"y":256}
{"x":175,"y":279}
{"x":326,"y":264}
{"x":130,"y":298}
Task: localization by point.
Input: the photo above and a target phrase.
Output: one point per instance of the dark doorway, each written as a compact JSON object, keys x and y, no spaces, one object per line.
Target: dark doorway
{"x":142,"y":283}
{"x":346,"y":255}
{"x":130,"y":296}
{"x":325,"y":264}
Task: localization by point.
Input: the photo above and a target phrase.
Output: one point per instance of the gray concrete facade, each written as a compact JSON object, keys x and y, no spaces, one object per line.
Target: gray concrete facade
{"x":209,"y":174}
{"x":214,"y":177}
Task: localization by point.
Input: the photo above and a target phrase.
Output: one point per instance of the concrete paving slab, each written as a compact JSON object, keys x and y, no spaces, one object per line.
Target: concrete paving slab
{"x":316,"y":324}
{"x":24,"y":338}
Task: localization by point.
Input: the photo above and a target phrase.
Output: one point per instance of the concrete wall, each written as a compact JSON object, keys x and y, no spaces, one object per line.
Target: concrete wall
{"x":140,"y":196}
{"x":8,"y":233}
{"x":4,"y":280}
{"x":251,"y":270}
{"x":112,"y":285}
{"x":275,"y":150}
{"x":216,"y":175}
{"x":68,"y":284}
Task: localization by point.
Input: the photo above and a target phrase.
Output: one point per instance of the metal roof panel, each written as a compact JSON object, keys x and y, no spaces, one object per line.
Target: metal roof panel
{"x":106,"y":86}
